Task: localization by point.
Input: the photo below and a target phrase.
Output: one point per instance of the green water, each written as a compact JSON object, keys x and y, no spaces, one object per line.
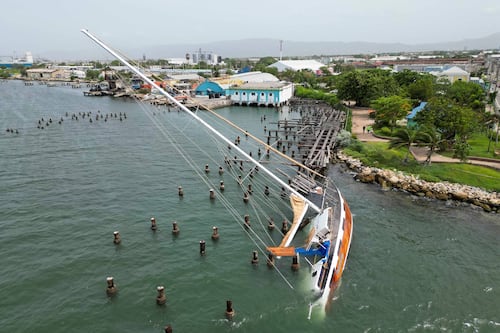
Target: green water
{"x":415,"y":265}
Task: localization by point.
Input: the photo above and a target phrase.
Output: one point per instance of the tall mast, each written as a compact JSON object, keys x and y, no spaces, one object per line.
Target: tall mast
{"x":192,"y":114}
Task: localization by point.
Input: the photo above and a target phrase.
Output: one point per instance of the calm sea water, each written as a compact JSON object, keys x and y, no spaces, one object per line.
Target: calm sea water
{"x":415,"y":265}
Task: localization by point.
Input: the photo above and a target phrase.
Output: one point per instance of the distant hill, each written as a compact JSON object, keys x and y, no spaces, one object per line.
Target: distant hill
{"x":270,"y":47}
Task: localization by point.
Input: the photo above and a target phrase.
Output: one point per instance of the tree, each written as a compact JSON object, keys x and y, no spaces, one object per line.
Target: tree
{"x":431,"y":138}
{"x":406,"y":77}
{"x":92,"y":74}
{"x":461,"y":150}
{"x":422,"y":89}
{"x":443,"y":114}
{"x":404,"y":137}
{"x":390,"y":109}
{"x":467,"y":94}
{"x":363,"y":86}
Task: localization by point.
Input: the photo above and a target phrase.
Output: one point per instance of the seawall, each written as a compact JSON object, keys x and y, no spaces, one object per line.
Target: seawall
{"x":489,"y":201}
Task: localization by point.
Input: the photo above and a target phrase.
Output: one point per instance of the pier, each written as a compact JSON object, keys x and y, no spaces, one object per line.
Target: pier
{"x":314,"y":134}
{"x":310,"y":139}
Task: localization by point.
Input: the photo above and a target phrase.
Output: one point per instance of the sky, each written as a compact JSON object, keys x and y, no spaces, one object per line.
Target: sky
{"x":48,"y":27}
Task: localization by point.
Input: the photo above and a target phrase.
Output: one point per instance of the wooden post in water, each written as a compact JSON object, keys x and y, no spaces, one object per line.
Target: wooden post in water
{"x":161,"y":298}
{"x":255,"y":258}
{"x":215,"y":233}
{"x":270,"y":260}
{"x":111,"y":288}
{"x":229,"y":310}
{"x":202,"y":247}
{"x":175,"y":228}
{"x":271,"y":225}
{"x":295,"y":263}
{"x":117,"y":239}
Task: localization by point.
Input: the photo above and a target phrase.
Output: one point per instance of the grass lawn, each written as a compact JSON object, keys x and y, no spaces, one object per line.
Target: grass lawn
{"x":377,"y":154}
{"x":479,"y":147}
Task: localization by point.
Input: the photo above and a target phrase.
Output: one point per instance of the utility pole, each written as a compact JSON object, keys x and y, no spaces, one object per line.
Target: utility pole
{"x":281,"y":50}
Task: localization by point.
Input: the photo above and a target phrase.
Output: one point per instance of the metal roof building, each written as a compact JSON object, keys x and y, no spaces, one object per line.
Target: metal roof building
{"x":297,"y":65}
{"x":261,"y":93}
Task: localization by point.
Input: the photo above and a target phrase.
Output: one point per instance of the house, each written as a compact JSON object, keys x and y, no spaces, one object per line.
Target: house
{"x":410,"y":121}
{"x":453,"y":74}
{"x":261,"y":93}
{"x":47,"y":74}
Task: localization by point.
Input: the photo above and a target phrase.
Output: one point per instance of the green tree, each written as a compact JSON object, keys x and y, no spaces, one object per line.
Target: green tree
{"x":422,"y":89}
{"x":406,"y":77}
{"x":404,"y":137}
{"x":363,"y":86}
{"x":390,"y":109}
{"x":430,"y":138}
{"x":92,"y":74}
{"x":4,"y":73}
{"x":454,"y":122}
{"x":461,"y":150}
{"x":467,"y":94}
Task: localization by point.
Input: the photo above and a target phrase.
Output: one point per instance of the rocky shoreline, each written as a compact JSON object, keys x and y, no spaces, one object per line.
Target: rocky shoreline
{"x":488,"y":201}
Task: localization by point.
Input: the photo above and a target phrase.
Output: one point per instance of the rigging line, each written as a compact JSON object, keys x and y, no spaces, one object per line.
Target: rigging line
{"x":259,"y":140}
{"x":273,"y":207}
{"x":223,"y":200}
{"x":188,"y":160}
{"x":247,"y":133}
{"x":253,"y":207}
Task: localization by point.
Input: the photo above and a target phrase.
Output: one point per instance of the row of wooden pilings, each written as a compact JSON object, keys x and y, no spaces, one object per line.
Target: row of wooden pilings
{"x":215,"y":234}
{"x":161,"y":298}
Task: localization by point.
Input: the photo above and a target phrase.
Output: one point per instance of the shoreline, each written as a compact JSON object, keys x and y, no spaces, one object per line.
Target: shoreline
{"x":445,"y":191}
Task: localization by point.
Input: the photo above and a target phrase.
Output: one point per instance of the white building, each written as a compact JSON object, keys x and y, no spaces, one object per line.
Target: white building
{"x":297,"y":65}
{"x":453,"y":74}
{"x":261,"y":93}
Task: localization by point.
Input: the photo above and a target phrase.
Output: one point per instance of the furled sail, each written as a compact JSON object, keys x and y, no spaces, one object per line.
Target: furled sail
{"x":299,"y":207}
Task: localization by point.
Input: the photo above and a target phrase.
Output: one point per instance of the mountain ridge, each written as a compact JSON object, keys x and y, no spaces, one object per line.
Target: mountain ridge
{"x":261,"y":47}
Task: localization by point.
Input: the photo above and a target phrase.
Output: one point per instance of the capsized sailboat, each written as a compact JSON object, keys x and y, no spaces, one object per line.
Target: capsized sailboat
{"x":329,"y":239}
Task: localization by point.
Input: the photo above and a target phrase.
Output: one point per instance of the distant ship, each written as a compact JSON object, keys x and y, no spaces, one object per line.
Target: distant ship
{"x":27,"y":61}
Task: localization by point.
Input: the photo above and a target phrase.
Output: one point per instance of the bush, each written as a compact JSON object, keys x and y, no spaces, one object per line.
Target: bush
{"x":356,"y":146}
{"x":384,"y":131}
{"x":344,"y":138}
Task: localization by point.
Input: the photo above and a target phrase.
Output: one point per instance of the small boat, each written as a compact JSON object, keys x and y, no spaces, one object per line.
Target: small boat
{"x":331,"y":224}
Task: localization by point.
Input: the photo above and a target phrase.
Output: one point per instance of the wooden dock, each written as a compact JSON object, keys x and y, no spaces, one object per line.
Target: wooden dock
{"x":310,"y":139}
{"x":314,"y":134}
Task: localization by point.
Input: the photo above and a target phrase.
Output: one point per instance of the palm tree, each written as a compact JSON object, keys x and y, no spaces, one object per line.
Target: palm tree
{"x":431,"y":138}
{"x":404,"y":137}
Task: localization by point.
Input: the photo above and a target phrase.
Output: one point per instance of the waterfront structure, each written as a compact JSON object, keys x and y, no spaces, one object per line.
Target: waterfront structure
{"x":209,"y":88}
{"x":297,"y":65}
{"x":46,"y":74}
{"x":27,"y":61}
{"x":261,"y":93}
